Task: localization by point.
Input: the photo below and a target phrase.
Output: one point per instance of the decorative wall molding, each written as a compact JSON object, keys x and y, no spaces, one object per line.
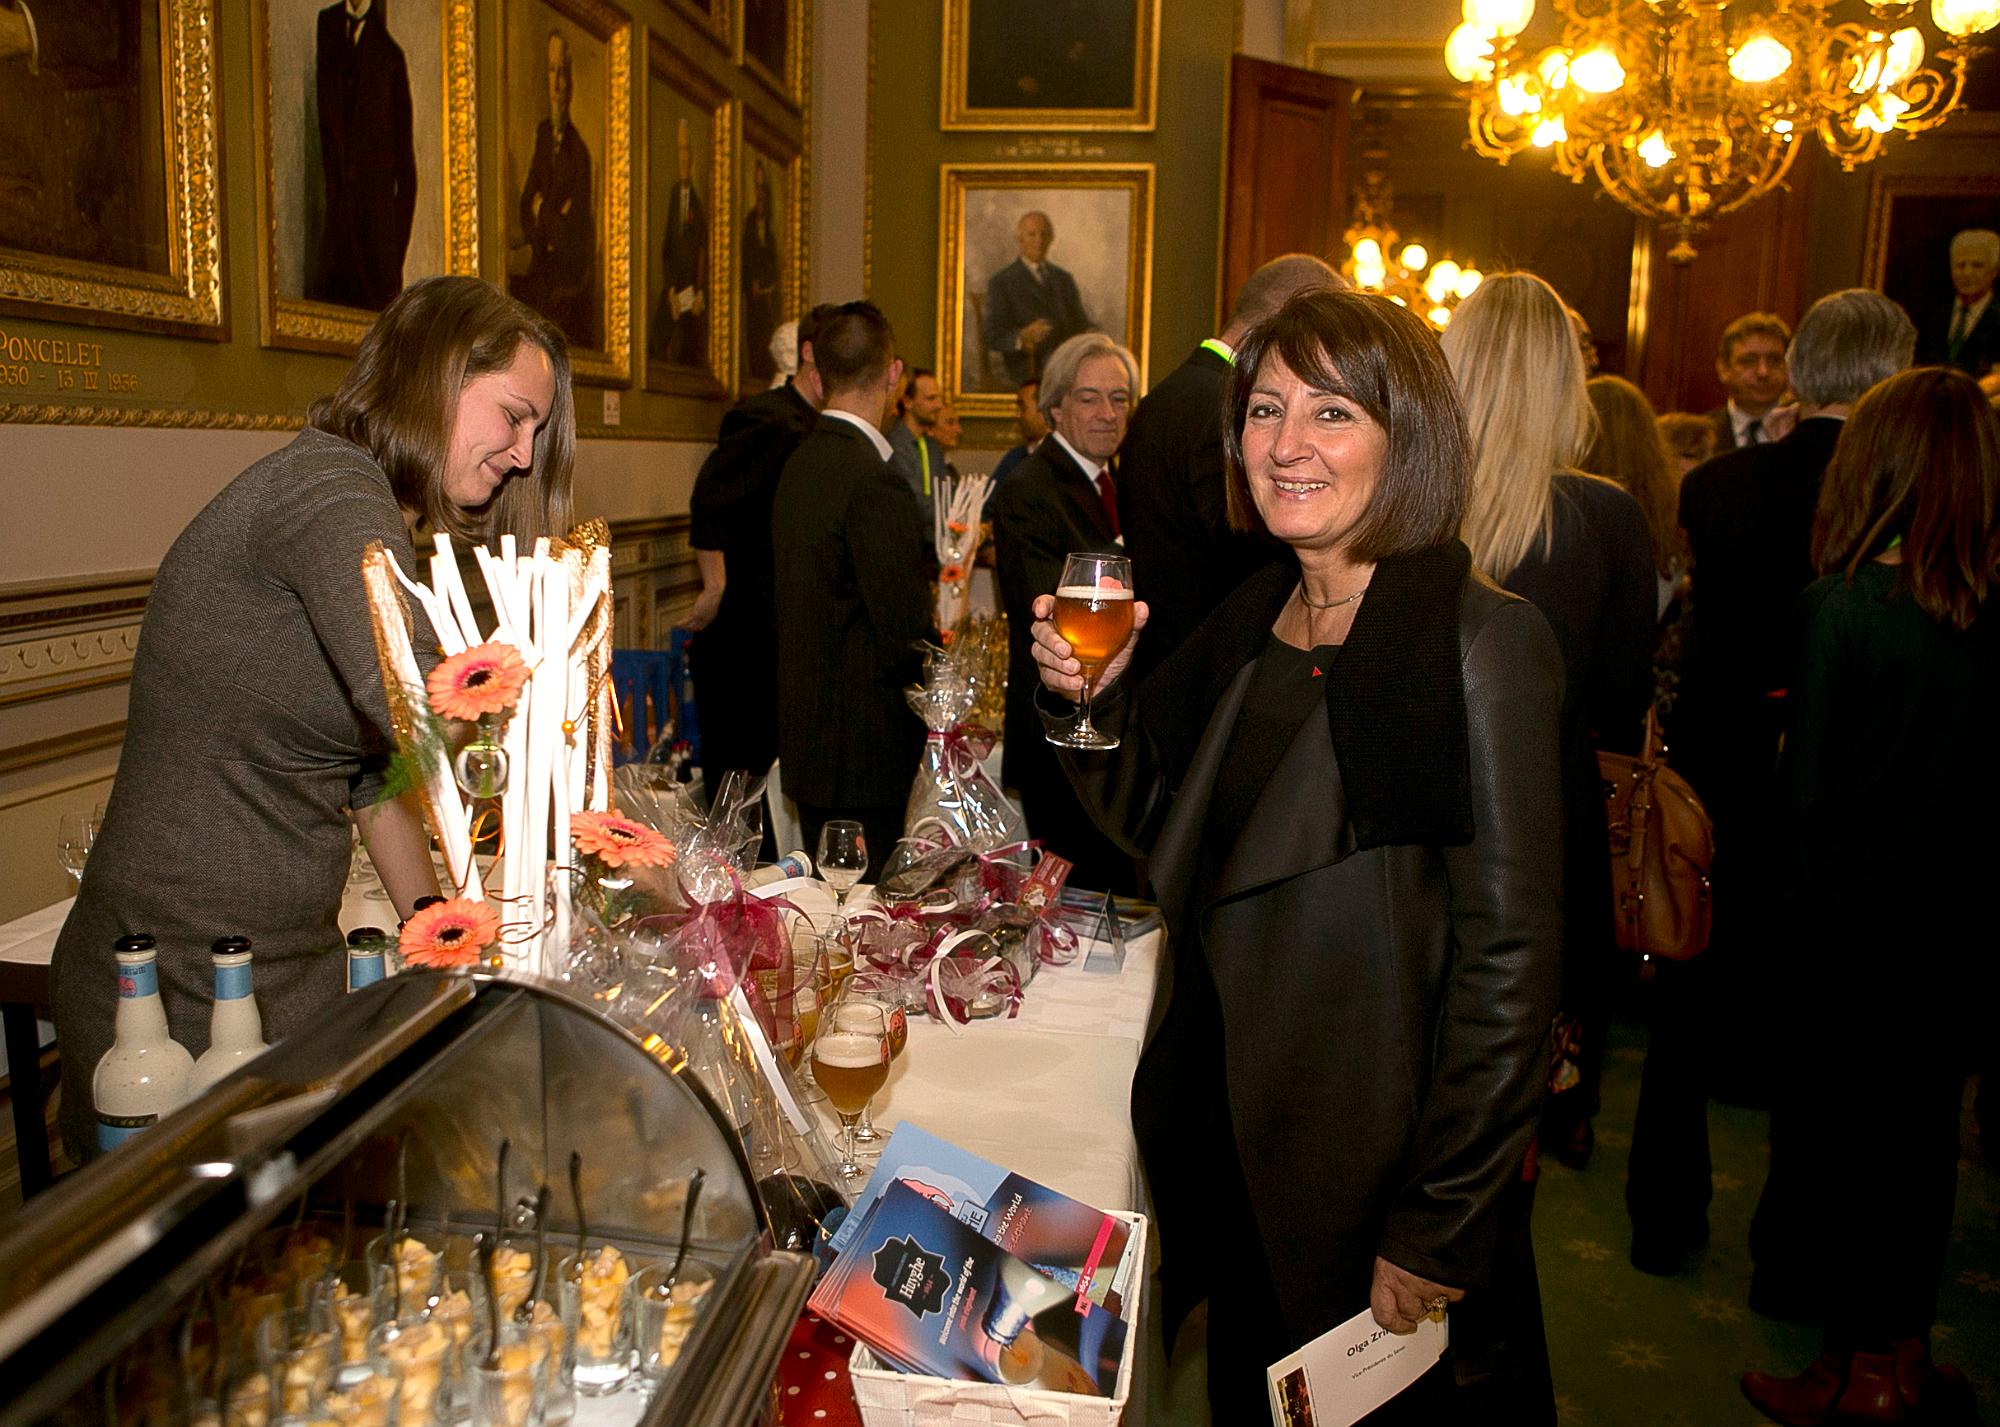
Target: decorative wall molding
{"x":46,"y":666}
{"x":66,"y":745}
{"x":174,"y":418}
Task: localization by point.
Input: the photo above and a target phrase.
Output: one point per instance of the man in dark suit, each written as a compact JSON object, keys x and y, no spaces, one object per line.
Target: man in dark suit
{"x":734,"y":659}
{"x":1967,"y":334}
{"x":368,"y":157}
{"x":851,"y":602}
{"x":680,"y":323}
{"x":557,"y":215}
{"x":1059,"y":500}
{"x":1750,"y":364}
{"x":1032,"y":306}
{"x":1749,"y":517}
{"x":1185,"y":557}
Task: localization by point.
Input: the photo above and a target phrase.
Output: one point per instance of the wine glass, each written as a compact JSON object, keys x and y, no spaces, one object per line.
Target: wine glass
{"x":73,"y":840}
{"x":1093,"y":613}
{"x":843,"y":858}
{"x":851,"y":1061}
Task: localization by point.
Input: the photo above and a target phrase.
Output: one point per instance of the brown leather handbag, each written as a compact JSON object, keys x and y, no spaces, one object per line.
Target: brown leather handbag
{"x":1662,"y":843}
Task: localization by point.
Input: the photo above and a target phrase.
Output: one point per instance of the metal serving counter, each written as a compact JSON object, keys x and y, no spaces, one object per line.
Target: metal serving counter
{"x":420,"y":1078}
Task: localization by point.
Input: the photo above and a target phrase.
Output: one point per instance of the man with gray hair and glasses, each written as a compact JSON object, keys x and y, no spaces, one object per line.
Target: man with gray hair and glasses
{"x":1749,"y":515}
{"x":1061,"y":499}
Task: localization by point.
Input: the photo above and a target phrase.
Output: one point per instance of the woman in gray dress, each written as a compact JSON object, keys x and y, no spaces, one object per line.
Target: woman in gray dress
{"x":258,"y":728}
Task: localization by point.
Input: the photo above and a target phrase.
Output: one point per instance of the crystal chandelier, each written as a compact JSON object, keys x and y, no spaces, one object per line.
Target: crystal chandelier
{"x":1685,"y":110}
{"x":1377,"y":258}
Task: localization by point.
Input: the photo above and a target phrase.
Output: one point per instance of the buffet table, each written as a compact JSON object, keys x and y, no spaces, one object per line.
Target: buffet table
{"x":1044,"y":1092}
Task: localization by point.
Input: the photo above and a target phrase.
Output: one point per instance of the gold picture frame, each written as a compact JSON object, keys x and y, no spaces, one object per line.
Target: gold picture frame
{"x":1066,"y":64}
{"x":300,"y":310}
{"x":177,"y":108}
{"x":711,"y":17}
{"x":982,"y":276}
{"x":762,"y":145}
{"x":541,"y":267}
{"x":754,"y":34}
{"x":697,"y":267}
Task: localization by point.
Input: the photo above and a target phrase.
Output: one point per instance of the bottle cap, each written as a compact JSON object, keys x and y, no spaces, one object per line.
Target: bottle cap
{"x":422,"y":902}
{"x":134,"y":944}
{"x":366,"y":937}
{"x":230,"y":946}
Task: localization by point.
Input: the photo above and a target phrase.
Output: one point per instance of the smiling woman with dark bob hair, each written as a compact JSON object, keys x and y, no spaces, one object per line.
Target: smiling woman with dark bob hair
{"x":258,"y":730}
{"x":1346,"y":784}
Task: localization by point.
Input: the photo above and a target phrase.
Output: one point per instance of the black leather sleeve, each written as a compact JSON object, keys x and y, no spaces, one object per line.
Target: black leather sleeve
{"x":1124,"y":791}
{"x":1490,"y":1071}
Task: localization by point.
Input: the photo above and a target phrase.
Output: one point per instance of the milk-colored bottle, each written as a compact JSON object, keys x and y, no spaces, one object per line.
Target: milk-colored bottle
{"x":145,"y":1074}
{"x":235,"y":1030}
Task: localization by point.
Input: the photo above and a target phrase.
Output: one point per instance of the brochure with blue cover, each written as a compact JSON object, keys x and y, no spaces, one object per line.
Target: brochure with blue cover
{"x":928,"y":1294}
{"x":1084,"y":1249}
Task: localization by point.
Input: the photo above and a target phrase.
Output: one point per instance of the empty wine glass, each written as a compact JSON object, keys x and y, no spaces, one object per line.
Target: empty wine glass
{"x":73,"y":840}
{"x":843,"y":858}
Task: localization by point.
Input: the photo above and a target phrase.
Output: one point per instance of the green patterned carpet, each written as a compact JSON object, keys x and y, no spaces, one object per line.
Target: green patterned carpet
{"x":1630,"y":1350}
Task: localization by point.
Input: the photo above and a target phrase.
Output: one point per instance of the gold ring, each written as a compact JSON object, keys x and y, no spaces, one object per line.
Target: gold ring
{"x":1439,"y":1304}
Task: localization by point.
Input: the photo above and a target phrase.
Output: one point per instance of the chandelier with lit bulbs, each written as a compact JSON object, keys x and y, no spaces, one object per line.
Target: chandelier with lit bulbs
{"x":1377,"y":258}
{"x":1685,"y":110}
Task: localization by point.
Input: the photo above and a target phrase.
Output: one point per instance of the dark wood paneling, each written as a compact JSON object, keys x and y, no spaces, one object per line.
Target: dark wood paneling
{"x":1285,"y":188}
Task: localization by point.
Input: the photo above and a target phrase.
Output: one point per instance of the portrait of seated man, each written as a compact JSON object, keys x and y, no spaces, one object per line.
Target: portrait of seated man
{"x":1032,"y":305}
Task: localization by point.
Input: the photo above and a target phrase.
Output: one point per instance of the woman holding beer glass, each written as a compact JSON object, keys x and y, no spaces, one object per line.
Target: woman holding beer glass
{"x":1346,"y":781}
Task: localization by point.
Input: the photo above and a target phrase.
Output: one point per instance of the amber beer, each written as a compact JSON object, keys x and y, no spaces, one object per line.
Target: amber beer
{"x":850,"y":1068}
{"x":1096,"y":621}
{"x":898,"y":1021}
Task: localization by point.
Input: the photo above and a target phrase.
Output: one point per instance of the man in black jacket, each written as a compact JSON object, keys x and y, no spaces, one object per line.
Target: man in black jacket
{"x":1185,"y":557}
{"x":1032,"y":306}
{"x":735,"y":661}
{"x":368,"y":158}
{"x":851,"y":601}
{"x":1059,"y":500}
{"x":1749,"y":515}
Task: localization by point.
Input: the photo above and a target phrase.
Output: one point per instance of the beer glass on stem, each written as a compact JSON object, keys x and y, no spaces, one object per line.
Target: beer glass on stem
{"x":1094,"y":614}
{"x":873,"y":988}
{"x":851,"y":1061}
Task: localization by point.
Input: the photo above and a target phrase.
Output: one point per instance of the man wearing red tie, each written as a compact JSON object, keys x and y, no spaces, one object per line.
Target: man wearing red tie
{"x":1061,"y":499}
{"x":1967,"y":336}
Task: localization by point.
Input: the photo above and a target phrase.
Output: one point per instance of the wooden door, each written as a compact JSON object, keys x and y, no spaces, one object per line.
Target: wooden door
{"x":1752,"y":261}
{"x":1285,"y":184}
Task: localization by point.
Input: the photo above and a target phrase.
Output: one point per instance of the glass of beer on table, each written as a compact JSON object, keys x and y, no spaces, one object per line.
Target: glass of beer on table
{"x":890,"y":993}
{"x":850,"y":1060}
{"x":1094,"y":614}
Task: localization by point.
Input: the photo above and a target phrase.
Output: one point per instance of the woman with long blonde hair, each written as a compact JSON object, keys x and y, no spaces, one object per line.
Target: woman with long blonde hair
{"x":1577,"y":547}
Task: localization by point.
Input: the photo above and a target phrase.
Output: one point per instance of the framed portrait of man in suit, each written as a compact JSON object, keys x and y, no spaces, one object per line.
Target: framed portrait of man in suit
{"x":566,"y":174}
{"x":1934,"y":246}
{"x":367,"y":141}
{"x":771,"y":249}
{"x":110,"y":165}
{"x":690,"y":332}
{"x":1050,"y":64}
{"x":1031,"y":255}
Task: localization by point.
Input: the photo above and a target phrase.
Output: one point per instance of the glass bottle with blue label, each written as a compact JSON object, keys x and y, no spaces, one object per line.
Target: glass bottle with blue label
{"x":367,"y":957}
{"x":145,"y":1075}
{"x":235,"y":1029}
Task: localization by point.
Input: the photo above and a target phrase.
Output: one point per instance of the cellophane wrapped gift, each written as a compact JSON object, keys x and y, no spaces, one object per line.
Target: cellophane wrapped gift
{"x":953,"y":799}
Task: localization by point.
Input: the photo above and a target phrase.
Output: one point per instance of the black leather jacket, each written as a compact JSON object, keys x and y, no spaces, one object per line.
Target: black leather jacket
{"x":1384,"y":1012}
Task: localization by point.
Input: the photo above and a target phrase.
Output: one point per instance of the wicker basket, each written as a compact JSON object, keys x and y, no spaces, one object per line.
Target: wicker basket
{"x":892,"y":1399}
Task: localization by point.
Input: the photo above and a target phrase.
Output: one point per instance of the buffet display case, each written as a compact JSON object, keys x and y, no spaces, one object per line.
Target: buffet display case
{"x":443,"y":1104}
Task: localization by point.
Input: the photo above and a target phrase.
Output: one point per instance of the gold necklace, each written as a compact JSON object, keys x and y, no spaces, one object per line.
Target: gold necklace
{"x":1310,"y":603}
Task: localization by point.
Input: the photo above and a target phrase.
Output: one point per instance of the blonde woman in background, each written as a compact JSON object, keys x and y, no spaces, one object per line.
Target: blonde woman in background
{"x":1577,"y":547}
{"x":1629,"y":450}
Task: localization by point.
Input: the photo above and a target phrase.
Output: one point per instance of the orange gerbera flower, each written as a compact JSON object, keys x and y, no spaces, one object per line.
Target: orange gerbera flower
{"x":951,"y":574}
{"x":618,"y":841}
{"x":956,"y":527}
{"x":485,"y":679}
{"x":451,"y":933}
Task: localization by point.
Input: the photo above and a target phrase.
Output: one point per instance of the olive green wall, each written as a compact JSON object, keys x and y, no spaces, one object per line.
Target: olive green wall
{"x":907,"y":148}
